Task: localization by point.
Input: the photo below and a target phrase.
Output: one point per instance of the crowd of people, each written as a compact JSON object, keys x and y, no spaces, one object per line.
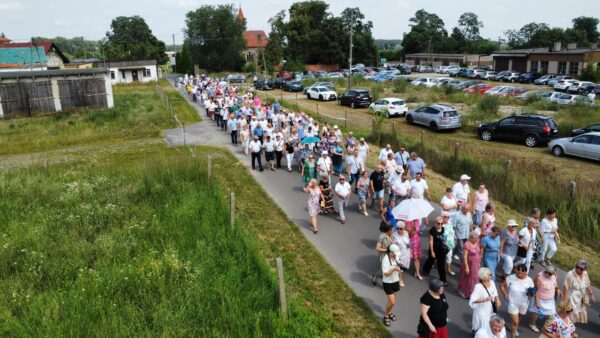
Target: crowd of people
{"x":465,"y":234}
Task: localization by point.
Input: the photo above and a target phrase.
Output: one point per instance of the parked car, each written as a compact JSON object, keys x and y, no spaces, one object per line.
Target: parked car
{"x":421,"y":81}
{"x":292,"y":86}
{"x":452,"y":71}
{"x":499,"y":75}
{"x":500,"y":91}
{"x":435,"y":116}
{"x":530,"y":129}
{"x":529,"y":94}
{"x":477,"y":74}
{"x":467,"y":84}
{"x":551,"y":96}
{"x":511,"y":77}
{"x":264,"y":84}
{"x":328,"y":84}
{"x":321,"y":93}
{"x":528,"y":77}
{"x":562,"y":85}
{"x":478,"y":88}
{"x":465,"y":72}
{"x":443,"y":81}
{"x":355,"y":98}
{"x":571,"y":99}
{"x":335,"y":75}
{"x":489,"y":75}
{"x":278,"y":82}
{"x":441,"y":69}
{"x":544,"y":79}
{"x":592,"y":127}
{"x":586,"y":89}
{"x":577,"y":85}
{"x":586,"y":146}
{"x":518,"y":91}
{"x":286,"y":75}
{"x":235,"y":78}
{"x":391,"y":106}
{"x":553,"y":81}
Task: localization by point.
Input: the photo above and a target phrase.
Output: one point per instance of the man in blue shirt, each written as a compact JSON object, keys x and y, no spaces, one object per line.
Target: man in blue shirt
{"x":415,"y":165}
{"x":258,"y":132}
{"x":232,"y":123}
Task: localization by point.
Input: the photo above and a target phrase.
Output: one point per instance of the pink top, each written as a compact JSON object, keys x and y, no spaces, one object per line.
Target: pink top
{"x":547,"y":286}
{"x":481,"y":199}
{"x":256,"y":102}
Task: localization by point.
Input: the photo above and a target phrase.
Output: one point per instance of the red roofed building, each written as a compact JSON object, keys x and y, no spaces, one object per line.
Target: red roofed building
{"x":56,"y":59}
{"x":255,"y":40}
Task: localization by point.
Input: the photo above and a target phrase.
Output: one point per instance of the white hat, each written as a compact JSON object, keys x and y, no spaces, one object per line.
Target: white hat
{"x":464,"y":177}
{"x":395,"y":249}
{"x":335,"y":126}
{"x":362,"y":139}
{"x":399,"y":170}
{"x":445,"y":213}
{"x":325,"y":152}
{"x":512,"y":223}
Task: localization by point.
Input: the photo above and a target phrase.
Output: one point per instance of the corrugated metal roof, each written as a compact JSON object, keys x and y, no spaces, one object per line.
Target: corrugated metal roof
{"x":54,"y":72}
{"x":22,"y":55}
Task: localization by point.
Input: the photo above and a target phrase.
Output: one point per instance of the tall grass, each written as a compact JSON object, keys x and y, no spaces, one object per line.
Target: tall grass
{"x":136,"y":247}
{"x":138,"y":113}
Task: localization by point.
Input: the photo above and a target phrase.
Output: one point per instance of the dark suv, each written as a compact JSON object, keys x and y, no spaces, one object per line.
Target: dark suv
{"x":530,"y":129}
{"x":264,"y":84}
{"x":355,"y":98}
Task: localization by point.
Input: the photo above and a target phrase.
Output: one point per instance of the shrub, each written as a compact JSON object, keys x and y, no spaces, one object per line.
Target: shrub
{"x":411,"y":99}
{"x":489,"y":104}
{"x":249,"y":67}
{"x":399,"y":86}
{"x":376,"y":92}
{"x":449,"y":90}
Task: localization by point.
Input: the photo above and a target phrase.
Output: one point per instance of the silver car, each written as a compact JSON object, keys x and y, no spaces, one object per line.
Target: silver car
{"x":435,"y":116}
{"x":586,"y":146}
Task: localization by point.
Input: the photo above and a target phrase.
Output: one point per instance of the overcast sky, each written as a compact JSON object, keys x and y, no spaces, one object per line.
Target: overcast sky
{"x":22,"y":19}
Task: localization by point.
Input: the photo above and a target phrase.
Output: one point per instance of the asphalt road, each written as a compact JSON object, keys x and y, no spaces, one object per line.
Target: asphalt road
{"x":349,"y":248}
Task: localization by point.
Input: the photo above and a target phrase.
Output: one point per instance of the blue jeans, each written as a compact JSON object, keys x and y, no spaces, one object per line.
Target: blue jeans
{"x":354,"y":178}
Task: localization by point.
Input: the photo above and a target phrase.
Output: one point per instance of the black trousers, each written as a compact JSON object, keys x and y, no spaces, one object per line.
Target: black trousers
{"x":440,"y":259}
{"x":234,"y":137}
{"x":218,"y":118}
{"x":256,"y":156}
{"x":278,"y":157}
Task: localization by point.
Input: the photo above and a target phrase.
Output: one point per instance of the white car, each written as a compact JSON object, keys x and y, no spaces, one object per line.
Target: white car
{"x":575,"y":86}
{"x":551,"y":96}
{"x":477,"y":74}
{"x":441,"y":81}
{"x":586,"y":145}
{"x":391,"y":106}
{"x":451,"y":69}
{"x":489,"y":74}
{"x":335,"y":75}
{"x":321,"y":93}
{"x":562,"y":85}
{"x":570,"y":99}
{"x":422,"y":81}
{"x":500,"y":91}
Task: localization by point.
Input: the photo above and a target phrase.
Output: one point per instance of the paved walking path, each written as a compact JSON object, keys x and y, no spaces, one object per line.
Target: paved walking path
{"x":349,"y":248}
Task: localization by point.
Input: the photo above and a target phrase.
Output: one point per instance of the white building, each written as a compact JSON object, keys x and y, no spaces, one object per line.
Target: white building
{"x":132,"y":71}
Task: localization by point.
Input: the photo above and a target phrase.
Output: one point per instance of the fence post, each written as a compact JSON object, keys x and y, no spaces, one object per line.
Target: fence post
{"x":456,"y":147}
{"x":422,"y":138}
{"x":282,"y":300}
{"x":572,"y":190}
{"x":317,"y":109}
{"x":209,"y":166}
{"x":345,"y":118}
{"x":507,"y":165}
{"x":232,"y":210}
{"x":183,"y":130}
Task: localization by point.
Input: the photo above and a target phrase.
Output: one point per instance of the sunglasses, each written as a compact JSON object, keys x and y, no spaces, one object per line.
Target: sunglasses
{"x":440,"y":224}
{"x":446,"y":216}
{"x":569,"y":311}
{"x":580,"y":268}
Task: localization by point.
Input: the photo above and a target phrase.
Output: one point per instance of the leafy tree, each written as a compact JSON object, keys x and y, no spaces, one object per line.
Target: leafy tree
{"x":427,"y":31}
{"x":274,"y":51}
{"x":214,"y":35}
{"x":132,"y":39}
{"x":589,"y":25}
{"x":469,"y":26}
{"x":183,"y":61}
{"x":305,"y":39}
{"x":458,"y":40}
{"x":364,"y":50}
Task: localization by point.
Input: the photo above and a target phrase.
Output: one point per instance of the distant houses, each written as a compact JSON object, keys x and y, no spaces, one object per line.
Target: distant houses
{"x":132,"y":71}
{"x":41,"y":55}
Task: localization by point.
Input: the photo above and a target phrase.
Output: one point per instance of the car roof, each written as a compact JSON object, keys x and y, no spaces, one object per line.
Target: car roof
{"x":533,"y":116}
{"x":442,"y":107}
{"x":595,"y":133}
{"x":392,"y":99}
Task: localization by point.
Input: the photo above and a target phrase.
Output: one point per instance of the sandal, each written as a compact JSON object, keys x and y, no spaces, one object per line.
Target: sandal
{"x":392,"y":317}
{"x":374,"y":280}
{"x":418,"y":277}
{"x":402,"y":285}
{"x":534,"y":328}
{"x":386,"y":321}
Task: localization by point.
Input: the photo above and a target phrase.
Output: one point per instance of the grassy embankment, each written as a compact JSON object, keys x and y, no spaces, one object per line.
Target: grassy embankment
{"x":136,"y":242}
{"x":524,"y":185}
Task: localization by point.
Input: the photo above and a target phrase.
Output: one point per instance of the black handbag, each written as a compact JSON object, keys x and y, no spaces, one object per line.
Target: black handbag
{"x":522,"y":252}
{"x":494,"y":308}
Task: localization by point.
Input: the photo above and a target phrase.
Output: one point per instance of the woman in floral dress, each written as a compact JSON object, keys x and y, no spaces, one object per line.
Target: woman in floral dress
{"x":414,"y":228}
{"x":314,"y":196}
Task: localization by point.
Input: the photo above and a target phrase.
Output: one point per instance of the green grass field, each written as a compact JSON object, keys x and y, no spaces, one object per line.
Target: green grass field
{"x":136,"y":241}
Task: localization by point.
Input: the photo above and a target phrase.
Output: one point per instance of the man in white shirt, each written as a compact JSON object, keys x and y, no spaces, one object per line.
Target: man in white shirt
{"x":324,"y":165}
{"x":401,"y":188}
{"x":419,"y":187}
{"x":255,"y":148}
{"x":343,"y":192}
{"x":461,"y":190}
{"x":383,"y":153}
{"x":355,"y":167}
{"x":496,"y":329}
{"x":549,"y":229}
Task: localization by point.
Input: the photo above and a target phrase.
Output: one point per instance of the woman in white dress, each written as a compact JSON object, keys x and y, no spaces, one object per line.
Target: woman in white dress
{"x":400,"y":238}
{"x":484,"y":300}
{"x":245,"y":138}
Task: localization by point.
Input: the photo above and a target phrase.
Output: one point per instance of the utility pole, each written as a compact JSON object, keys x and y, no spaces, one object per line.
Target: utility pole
{"x":173,"y":42}
{"x":351,"y":42}
{"x":430,"y":50}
